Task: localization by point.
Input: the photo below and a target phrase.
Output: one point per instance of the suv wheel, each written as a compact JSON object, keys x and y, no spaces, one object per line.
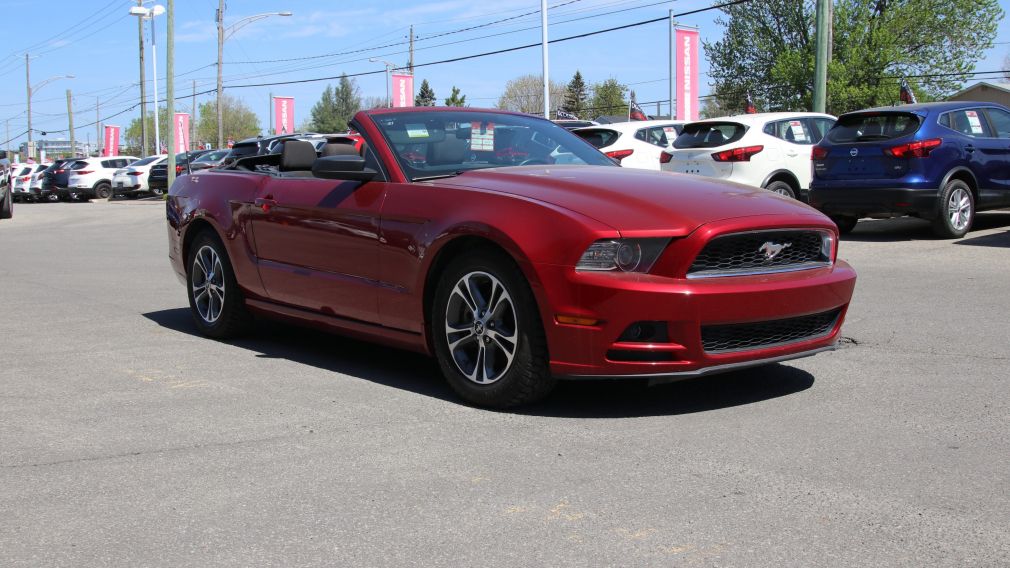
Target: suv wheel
{"x":955,"y":210}
{"x":845,"y":223}
{"x":103,"y":191}
{"x":782,"y":188}
{"x":158,"y":191}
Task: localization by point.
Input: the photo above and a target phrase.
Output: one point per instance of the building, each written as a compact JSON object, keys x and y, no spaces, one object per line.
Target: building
{"x":55,"y":148}
{"x":984,"y":92}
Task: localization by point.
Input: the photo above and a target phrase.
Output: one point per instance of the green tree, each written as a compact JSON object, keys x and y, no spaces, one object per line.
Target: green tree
{"x":425,"y":95}
{"x":131,"y":136}
{"x":239,"y":121}
{"x":336,"y":107}
{"x":576,"y":95}
{"x":608,"y":99}
{"x":454,"y":99}
{"x":768,"y":49}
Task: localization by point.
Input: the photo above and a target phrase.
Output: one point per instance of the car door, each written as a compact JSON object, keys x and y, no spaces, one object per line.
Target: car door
{"x":982,"y":151}
{"x":798,"y":142}
{"x":999,"y":148}
{"x":316,"y":242}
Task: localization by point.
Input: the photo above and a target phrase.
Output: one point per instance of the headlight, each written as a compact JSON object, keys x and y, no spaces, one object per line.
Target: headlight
{"x":626,"y":255}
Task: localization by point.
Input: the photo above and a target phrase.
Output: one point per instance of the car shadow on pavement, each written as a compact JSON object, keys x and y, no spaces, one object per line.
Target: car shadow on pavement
{"x":912,"y":229}
{"x":572,"y":399}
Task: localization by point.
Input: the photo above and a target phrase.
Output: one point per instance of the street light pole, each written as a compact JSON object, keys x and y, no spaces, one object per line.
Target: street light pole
{"x":143,"y":86}
{"x":28,"y":85}
{"x":547,"y":81}
{"x":154,"y":64}
{"x":70,"y":119}
{"x":220,"y":60}
{"x":389,"y":68}
{"x":170,"y":90}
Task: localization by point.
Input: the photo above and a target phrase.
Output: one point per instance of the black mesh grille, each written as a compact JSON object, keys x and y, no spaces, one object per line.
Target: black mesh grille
{"x":736,"y":337}
{"x":748,"y":252}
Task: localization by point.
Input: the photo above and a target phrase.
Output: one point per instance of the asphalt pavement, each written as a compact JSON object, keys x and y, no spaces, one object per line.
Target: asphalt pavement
{"x":128,"y":440}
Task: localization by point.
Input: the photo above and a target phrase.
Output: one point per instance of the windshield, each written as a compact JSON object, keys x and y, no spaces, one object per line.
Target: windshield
{"x":445,"y":143}
{"x":871,"y":126}
{"x":212,"y":156}
{"x":146,"y":161}
{"x":709,"y":134}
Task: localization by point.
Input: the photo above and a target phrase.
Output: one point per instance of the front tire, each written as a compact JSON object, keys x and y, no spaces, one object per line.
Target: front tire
{"x":781,"y":188}
{"x":487,"y":333}
{"x":845,"y":223}
{"x":955,"y":211}
{"x":158,"y":191}
{"x":215,"y":301}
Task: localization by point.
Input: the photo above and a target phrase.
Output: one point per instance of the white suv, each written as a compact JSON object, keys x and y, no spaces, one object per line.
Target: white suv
{"x":132,"y":180}
{"x":92,"y":177}
{"x":769,"y":150}
{"x":635,"y":144}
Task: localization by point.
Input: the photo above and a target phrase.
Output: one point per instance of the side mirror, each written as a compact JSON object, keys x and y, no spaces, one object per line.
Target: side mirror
{"x":349,"y":167}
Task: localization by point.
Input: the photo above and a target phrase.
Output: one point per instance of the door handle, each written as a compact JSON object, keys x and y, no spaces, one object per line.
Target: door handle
{"x":265,"y":203}
{"x":969,"y":148}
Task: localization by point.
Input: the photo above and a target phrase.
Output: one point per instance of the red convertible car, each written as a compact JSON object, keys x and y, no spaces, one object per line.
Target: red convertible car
{"x":512,"y":251}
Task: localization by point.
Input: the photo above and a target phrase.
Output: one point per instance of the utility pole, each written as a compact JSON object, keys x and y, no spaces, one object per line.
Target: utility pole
{"x":28,"y":86}
{"x":220,"y":59}
{"x":70,"y":119}
{"x":154,"y":65}
{"x":673,"y":66}
{"x":99,"y":140}
{"x":143,"y":87}
{"x":170,"y":89}
{"x":192,"y":120}
{"x":821,"y":54}
{"x":270,"y":115}
{"x":547,"y":81}
{"x":411,"y":63}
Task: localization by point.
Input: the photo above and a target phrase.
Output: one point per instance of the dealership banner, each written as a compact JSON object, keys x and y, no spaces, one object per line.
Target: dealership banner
{"x":687,"y":74}
{"x":111,"y":146}
{"x":181,"y":132}
{"x":284,"y":115}
{"x":403,"y":90}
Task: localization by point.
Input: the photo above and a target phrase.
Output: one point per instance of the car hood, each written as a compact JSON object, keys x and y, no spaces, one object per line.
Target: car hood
{"x":632,"y":200}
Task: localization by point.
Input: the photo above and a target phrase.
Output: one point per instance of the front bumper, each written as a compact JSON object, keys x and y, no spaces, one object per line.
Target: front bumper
{"x":875,"y":202}
{"x":682,"y":308}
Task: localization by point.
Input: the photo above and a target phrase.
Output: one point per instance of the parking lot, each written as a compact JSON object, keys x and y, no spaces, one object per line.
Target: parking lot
{"x":128,"y":440}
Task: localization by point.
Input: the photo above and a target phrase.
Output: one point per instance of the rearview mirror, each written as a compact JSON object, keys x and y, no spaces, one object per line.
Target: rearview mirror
{"x":349,"y":167}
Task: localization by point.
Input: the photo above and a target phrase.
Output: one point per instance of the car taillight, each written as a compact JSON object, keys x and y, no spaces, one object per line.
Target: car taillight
{"x":26,"y":178}
{"x":59,"y":171}
{"x":665,"y":157}
{"x":178,"y":170}
{"x":620,"y":154}
{"x":818,"y":153}
{"x":917,"y":149}
{"x":737,"y":154}
{"x":83,"y":172}
{"x":133,"y":173}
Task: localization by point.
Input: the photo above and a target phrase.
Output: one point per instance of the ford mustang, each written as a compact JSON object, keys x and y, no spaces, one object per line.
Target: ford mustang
{"x":510,"y":250}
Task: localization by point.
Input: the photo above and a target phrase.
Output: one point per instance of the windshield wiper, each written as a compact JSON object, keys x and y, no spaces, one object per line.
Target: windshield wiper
{"x":439,"y":176}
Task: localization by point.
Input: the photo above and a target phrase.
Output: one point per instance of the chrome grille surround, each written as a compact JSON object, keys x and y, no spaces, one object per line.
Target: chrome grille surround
{"x":750,"y":253}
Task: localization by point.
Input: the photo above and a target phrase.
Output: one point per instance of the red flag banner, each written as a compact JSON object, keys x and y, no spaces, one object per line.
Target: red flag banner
{"x":181,"y":132}
{"x":284,"y":115}
{"x":403,"y":90}
{"x":687,"y":74}
{"x":111,"y":146}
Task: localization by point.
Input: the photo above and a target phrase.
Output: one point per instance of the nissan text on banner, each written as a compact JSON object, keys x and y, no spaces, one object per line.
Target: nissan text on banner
{"x":111,"y":141}
{"x":403,"y":90}
{"x":687,"y":74}
{"x":181,"y":132}
{"x":284,"y":115}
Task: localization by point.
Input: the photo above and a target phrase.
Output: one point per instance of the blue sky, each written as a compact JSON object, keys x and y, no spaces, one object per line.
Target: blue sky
{"x":96,"y":40}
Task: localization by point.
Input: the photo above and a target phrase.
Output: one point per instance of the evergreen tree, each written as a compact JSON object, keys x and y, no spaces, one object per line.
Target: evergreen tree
{"x":425,"y":95}
{"x":454,"y":99}
{"x":576,"y":95}
{"x":336,"y":107}
{"x":608,"y":99}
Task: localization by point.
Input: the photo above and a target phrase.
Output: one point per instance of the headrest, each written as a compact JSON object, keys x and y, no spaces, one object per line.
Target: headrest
{"x":297,"y":155}
{"x":339,"y":149}
{"x":450,"y":150}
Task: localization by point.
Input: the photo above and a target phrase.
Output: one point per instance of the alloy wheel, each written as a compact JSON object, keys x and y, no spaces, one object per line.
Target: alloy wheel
{"x":481,"y":327}
{"x":207,"y":281}
{"x":959,"y":209}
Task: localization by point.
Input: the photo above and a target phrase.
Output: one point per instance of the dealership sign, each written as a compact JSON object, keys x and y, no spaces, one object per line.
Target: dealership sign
{"x":181,"y":132}
{"x":284,"y":115}
{"x":111,"y":146}
{"x":403,"y":90}
{"x":687,"y":74}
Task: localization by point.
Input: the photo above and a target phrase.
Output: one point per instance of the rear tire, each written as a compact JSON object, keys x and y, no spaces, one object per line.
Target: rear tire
{"x":782,"y":188}
{"x":6,"y":207}
{"x":215,"y":300}
{"x":103,"y":191}
{"x":487,"y":332}
{"x":955,"y":210}
{"x":158,"y":192}
{"x":845,"y":223}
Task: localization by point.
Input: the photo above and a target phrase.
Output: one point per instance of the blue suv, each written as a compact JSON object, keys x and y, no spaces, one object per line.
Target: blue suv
{"x":938,"y":161}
